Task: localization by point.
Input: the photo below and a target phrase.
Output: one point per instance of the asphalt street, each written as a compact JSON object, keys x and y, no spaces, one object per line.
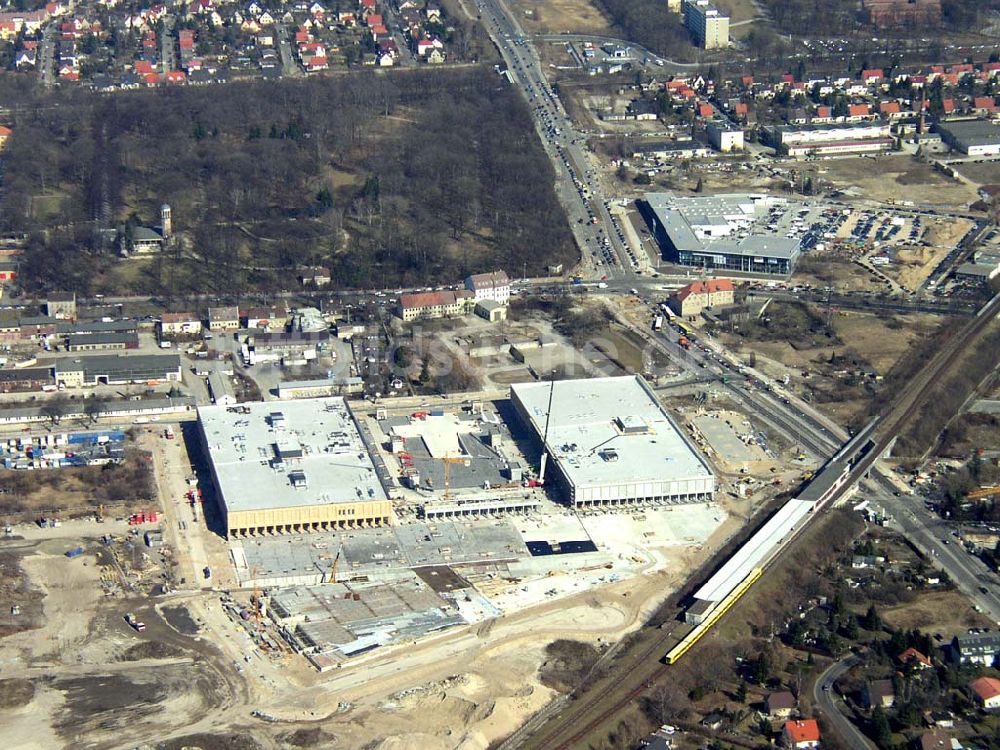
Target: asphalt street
{"x":824,"y":697}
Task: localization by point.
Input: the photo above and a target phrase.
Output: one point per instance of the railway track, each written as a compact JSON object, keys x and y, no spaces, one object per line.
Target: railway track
{"x":643,"y":668}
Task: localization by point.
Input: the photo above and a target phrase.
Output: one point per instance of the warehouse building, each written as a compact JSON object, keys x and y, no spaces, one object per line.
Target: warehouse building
{"x":221,"y":389}
{"x":119,"y":369}
{"x":96,"y":342}
{"x":971,"y":137}
{"x":333,"y":386}
{"x":291,"y":467}
{"x":830,"y":139}
{"x":611,"y":443}
{"x":723,"y":232}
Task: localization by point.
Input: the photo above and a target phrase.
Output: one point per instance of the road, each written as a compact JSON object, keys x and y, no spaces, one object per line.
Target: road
{"x":604,"y":251}
{"x":289,"y":67}
{"x":46,"y":55}
{"x":933,"y":536}
{"x":168,"y":51}
{"x":824,"y":698}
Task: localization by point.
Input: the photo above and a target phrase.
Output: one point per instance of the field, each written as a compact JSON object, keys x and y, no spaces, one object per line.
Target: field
{"x":76,"y":491}
{"x":383,"y":179}
{"x":888,"y":177}
{"x":837,"y":359}
{"x":946,"y":612}
{"x":561,"y":16}
{"x":834,"y":268}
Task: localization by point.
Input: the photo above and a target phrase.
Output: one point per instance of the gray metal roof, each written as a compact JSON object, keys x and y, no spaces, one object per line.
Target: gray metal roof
{"x":254,"y":447}
{"x":971,"y":132}
{"x":605,"y":431}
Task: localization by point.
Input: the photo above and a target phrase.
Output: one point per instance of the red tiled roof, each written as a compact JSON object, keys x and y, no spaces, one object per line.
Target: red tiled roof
{"x":179,"y":317}
{"x":806,"y":730}
{"x":857,"y":110}
{"x":986,"y":687}
{"x":889,"y":108}
{"x":704,"y":287}
{"x":705,"y":110}
{"x":431,"y":299}
{"x":911,"y":654}
{"x":874,"y":73}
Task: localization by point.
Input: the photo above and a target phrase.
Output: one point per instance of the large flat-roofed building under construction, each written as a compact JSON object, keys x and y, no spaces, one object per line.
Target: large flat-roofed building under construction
{"x":610,"y":442}
{"x":291,"y":467}
{"x":727,"y":232}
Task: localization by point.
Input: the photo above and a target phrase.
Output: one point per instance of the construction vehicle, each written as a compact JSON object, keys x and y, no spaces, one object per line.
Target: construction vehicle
{"x":134,"y":623}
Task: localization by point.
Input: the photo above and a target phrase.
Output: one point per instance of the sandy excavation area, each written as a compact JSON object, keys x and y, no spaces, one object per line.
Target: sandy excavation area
{"x":85,"y":679}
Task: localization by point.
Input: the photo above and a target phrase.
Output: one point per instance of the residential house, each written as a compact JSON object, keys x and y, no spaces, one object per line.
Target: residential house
{"x":937,"y":739}
{"x":315,"y":276}
{"x":445,"y":304}
{"x":802,"y":734}
{"x":987,"y":692}
{"x":914,"y":657}
{"x":493,"y":286}
{"x":180,"y":324}
{"x":780,"y":705}
{"x":223,"y":318}
{"x":693,"y":298}
{"x":879,"y":693}
{"x":976,"y":648}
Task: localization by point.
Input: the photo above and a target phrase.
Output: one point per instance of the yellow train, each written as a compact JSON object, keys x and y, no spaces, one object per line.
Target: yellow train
{"x":714,"y":615}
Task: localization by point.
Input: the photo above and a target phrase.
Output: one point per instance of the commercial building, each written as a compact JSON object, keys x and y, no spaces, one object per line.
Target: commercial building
{"x":95,"y":342}
{"x":724,"y":137}
{"x":221,"y":389}
{"x":223,"y":318}
{"x":489,"y":286}
{"x":706,"y":24}
{"x":25,"y":378}
{"x":830,"y":139}
{"x":610,"y":442}
{"x":336,"y":386}
{"x":971,"y":137}
{"x":726,"y":232}
{"x":117,"y":369}
{"x":291,"y":466}
{"x":180,"y":323}
{"x":445,"y":304}
{"x":693,"y":298}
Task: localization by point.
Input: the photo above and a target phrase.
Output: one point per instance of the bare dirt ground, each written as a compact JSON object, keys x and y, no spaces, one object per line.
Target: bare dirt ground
{"x":888,"y":177}
{"x":832,"y":268}
{"x":914,"y":265}
{"x":561,"y":16}
{"x":936,"y":612}
{"x":875,"y":342}
{"x":86,"y":679}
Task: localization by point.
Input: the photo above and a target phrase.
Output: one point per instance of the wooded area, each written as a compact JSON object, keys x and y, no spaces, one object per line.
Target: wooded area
{"x":649,"y":23}
{"x":387,"y":179}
